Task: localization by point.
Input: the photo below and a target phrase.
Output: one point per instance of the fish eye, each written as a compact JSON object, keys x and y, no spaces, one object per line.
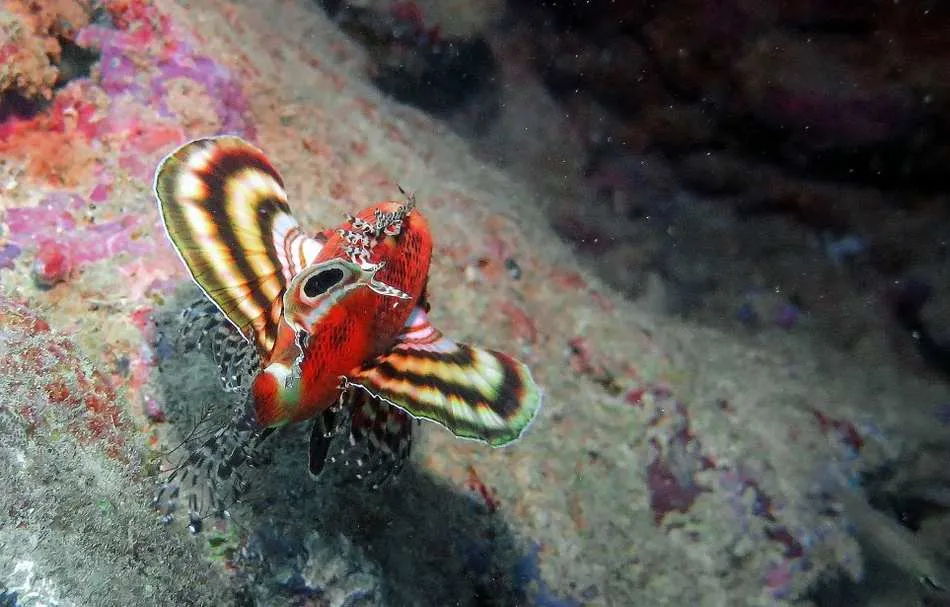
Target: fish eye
{"x":320,"y":282}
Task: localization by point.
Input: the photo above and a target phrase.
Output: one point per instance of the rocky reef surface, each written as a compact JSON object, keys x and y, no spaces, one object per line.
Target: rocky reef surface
{"x":670,"y":464}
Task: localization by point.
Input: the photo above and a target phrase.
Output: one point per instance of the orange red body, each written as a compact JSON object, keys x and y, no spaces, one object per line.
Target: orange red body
{"x":359,"y":327}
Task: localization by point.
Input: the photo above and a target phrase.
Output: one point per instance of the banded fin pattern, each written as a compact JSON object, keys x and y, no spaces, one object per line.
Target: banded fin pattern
{"x":367,"y":439}
{"x":212,"y":475}
{"x":476,"y":393}
{"x":204,"y":327}
{"x":225,"y":210}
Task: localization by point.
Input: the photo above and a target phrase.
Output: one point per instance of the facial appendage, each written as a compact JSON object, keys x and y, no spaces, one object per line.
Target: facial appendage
{"x":322,"y":337}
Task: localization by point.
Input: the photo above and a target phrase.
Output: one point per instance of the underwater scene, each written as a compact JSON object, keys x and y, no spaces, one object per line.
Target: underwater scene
{"x":474,"y":303}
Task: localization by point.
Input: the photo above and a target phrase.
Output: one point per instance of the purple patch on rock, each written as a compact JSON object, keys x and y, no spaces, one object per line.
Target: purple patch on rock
{"x":943,"y":413}
{"x":786,"y":315}
{"x":54,"y":215}
{"x":8,"y":253}
{"x":53,"y":220}
{"x":120,"y":75}
{"x":100,"y":193}
{"x":217,"y":81}
{"x":747,"y":315}
{"x":668,"y":492}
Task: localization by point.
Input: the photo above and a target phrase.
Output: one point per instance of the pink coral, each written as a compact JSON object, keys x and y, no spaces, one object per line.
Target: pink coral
{"x":128,"y":66}
{"x":52,"y":227}
{"x":52,"y":264}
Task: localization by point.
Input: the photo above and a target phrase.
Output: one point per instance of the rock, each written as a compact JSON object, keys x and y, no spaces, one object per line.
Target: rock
{"x":806,"y":93}
{"x":340,"y":573}
{"x":677,"y":127}
{"x":714,"y":172}
{"x":76,"y":524}
{"x":693,"y":42}
{"x":571,"y":497}
{"x":30,"y":43}
{"x":418,"y":62}
{"x":601,"y":17}
{"x":616,"y":71}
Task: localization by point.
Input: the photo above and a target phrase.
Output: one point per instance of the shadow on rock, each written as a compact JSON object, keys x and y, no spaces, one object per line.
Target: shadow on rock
{"x":416,"y":541}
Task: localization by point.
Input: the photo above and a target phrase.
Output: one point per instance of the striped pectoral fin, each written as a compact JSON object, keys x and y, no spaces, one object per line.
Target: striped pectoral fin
{"x":225,"y":210}
{"x":367,"y":438}
{"x":476,"y":393}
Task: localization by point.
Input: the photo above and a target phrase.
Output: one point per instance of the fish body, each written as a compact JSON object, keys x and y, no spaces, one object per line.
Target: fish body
{"x":338,"y":320}
{"x":346,"y":307}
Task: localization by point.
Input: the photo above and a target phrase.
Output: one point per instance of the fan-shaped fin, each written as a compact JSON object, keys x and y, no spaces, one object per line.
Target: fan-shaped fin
{"x":225,"y":210}
{"x":365,"y":438}
{"x":476,"y":393}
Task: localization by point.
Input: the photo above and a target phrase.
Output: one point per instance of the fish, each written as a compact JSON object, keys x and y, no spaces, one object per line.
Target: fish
{"x":330,"y":327}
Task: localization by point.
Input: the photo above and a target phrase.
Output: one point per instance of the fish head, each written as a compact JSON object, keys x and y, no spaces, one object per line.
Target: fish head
{"x":344,"y":309}
{"x":381,"y":259}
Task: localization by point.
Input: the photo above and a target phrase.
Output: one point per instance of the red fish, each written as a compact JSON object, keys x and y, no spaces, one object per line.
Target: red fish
{"x":338,"y":320}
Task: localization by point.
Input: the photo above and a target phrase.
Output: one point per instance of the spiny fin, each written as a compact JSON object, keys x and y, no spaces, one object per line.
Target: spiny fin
{"x":211,"y":476}
{"x":326,"y":427}
{"x":204,"y":327}
{"x":476,"y":393}
{"x":368,"y":439}
{"x":225,"y":210}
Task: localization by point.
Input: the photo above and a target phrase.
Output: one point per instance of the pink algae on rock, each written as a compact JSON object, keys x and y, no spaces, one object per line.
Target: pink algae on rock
{"x":49,"y":366}
{"x":64,"y":241}
{"x":147,"y":60}
{"x":144,"y":64}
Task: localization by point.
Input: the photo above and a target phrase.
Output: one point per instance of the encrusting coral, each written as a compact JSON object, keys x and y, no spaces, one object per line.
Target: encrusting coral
{"x":31,"y":35}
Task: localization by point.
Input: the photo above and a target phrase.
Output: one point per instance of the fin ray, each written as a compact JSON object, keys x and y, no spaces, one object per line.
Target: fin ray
{"x":363,"y":436}
{"x":474,"y":392}
{"x":225,"y":210}
{"x":204,"y":327}
{"x":211,"y":476}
